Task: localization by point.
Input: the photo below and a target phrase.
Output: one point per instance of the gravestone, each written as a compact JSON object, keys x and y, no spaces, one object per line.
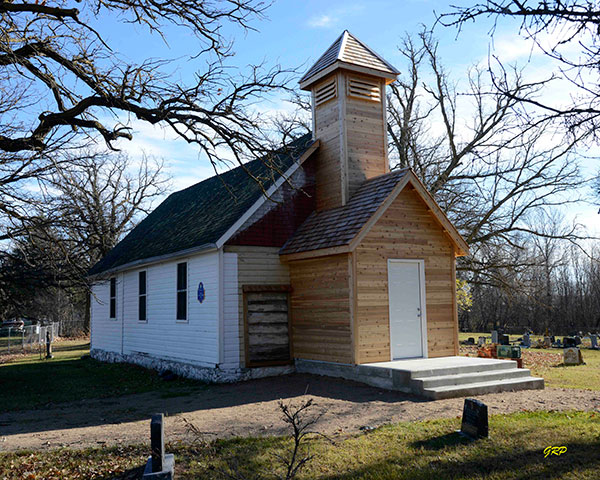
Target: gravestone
{"x":481,"y":341}
{"x":572,"y":356}
{"x":160,"y":466}
{"x":526,"y":340}
{"x":569,"y":342}
{"x":594,"y":340}
{"x":494,"y":336}
{"x":504,"y":339}
{"x":547,"y":342}
{"x":474,"y":419}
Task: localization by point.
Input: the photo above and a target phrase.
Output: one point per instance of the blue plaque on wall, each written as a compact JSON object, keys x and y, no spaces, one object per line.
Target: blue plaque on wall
{"x":201,"y":293}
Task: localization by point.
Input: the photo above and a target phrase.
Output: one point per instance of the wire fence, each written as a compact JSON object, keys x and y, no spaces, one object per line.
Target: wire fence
{"x":19,"y":339}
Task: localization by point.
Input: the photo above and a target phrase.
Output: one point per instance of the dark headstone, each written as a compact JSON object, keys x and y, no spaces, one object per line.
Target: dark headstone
{"x":594,"y":341}
{"x":577,"y":340}
{"x":48,"y":345}
{"x":471,"y":341}
{"x":569,"y":342}
{"x":474,"y":419}
{"x":504,"y":340}
{"x":157,"y":442}
{"x":160,"y":466}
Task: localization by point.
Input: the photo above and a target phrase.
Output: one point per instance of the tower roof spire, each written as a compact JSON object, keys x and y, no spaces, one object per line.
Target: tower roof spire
{"x":350,"y":53}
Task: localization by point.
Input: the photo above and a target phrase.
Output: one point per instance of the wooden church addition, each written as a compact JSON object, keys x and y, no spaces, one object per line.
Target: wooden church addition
{"x":343,"y":261}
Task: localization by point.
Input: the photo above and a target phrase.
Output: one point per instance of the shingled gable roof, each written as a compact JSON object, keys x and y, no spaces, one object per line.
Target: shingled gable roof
{"x":338,"y":230}
{"x":202,"y":214}
{"x":349,"y":51}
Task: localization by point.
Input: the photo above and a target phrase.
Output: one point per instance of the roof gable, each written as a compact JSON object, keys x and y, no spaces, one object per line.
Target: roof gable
{"x":202,"y":214}
{"x":349,"y":50}
{"x":342,"y":229}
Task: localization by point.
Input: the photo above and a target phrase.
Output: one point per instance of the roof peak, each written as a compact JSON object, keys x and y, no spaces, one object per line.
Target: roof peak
{"x":349,"y":52}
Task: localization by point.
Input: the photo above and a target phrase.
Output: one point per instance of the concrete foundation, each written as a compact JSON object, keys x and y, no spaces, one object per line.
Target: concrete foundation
{"x":433,"y":378}
{"x":188,"y":370}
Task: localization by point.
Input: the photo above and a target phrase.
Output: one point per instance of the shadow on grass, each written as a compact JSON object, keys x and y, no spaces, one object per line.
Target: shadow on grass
{"x":453,"y":439}
{"x":131,"y":474}
{"x":511,"y":464}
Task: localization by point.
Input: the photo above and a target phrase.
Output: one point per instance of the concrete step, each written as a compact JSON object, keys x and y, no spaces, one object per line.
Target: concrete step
{"x":490,"y":365}
{"x":473,"y":377}
{"x":479,"y":388}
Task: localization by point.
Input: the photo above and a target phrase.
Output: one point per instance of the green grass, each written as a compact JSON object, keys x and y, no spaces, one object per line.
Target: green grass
{"x":419,"y":450}
{"x":28,"y":382}
{"x":547,"y":363}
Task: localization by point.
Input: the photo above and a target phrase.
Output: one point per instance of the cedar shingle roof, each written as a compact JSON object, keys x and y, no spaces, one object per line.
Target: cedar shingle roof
{"x":338,"y":226}
{"x":350,"y":50}
{"x":202,"y":213}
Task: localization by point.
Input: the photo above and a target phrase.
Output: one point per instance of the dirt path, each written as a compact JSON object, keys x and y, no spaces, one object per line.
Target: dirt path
{"x":250,"y":408}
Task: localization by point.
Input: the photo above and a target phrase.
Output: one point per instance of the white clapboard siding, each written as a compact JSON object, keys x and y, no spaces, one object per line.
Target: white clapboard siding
{"x":105,"y":332}
{"x":231,"y":327}
{"x":194,"y":341}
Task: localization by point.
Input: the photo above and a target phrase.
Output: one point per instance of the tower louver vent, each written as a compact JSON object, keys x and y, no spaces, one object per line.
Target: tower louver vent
{"x":365,"y":89}
{"x":325,"y":92}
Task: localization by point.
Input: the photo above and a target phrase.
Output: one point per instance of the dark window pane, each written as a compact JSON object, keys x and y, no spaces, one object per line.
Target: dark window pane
{"x":142,"y":307}
{"x":113,"y":287}
{"x":181,"y":276}
{"x":182,"y":305}
{"x":142,"y":282}
{"x":113,"y":308}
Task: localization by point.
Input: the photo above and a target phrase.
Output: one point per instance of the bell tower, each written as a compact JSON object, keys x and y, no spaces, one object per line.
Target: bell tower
{"x":347,"y":84}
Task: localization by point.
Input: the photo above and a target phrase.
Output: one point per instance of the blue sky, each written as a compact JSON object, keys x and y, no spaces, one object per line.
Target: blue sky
{"x":295,"y":33}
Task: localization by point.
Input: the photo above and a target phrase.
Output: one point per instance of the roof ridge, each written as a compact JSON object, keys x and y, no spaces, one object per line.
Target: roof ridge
{"x":232,"y":171}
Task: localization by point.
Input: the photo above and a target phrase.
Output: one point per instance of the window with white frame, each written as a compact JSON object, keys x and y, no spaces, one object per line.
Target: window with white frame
{"x":182,"y":291}
{"x":113,"y":298}
{"x":142,"y":303}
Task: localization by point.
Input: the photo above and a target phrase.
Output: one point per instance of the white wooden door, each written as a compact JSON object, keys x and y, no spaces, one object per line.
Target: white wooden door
{"x":406,"y":289}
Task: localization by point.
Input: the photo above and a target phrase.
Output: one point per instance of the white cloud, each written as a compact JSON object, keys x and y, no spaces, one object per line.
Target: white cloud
{"x":322,"y":21}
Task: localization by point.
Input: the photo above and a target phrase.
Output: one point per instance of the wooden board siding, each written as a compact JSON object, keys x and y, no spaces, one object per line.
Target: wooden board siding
{"x":321,"y":309}
{"x":366,"y":138}
{"x":267,"y":325}
{"x":406,"y":230}
{"x":327,"y":119}
{"x":353,"y":137}
{"x":256,"y":266}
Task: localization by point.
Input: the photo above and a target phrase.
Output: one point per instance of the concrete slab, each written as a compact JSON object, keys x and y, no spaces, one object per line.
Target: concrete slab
{"x":434,"y":378}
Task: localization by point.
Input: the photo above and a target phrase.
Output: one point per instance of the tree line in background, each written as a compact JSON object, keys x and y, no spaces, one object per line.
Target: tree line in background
{"x":498,"y":160}
{"x":67,"y":97}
